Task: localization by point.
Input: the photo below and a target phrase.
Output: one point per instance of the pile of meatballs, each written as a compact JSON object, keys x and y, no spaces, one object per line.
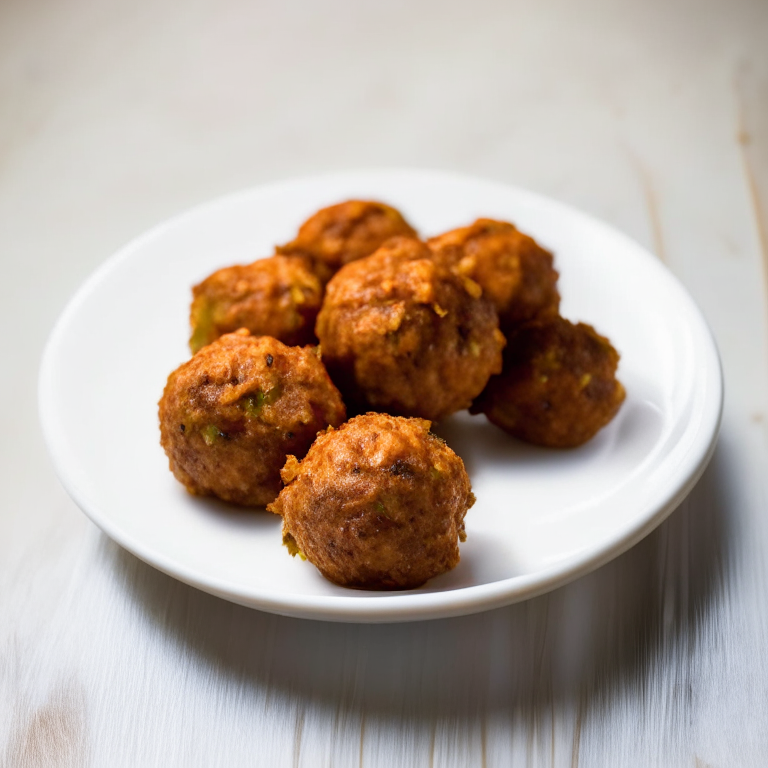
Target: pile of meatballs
{"x":358,"y":317}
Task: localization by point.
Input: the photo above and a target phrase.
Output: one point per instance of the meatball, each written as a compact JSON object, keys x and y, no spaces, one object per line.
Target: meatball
{"x":402,"y":334}
{"x":377,"y":504}
{"x":231,"y":414}
{"x":512,"y":269}
{"x":278,"y":297}
{"x":346,"y":232}
{"x":558,"y":387}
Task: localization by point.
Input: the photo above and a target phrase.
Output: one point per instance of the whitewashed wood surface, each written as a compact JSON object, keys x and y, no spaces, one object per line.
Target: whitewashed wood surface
{"x":651,"y":115}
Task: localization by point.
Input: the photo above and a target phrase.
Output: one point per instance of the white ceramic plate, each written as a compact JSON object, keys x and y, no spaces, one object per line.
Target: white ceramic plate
{"x":542,"y":517}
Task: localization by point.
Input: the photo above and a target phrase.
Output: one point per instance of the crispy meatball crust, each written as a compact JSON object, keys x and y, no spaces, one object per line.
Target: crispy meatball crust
{"x":345,"y":232}
{"x":377,"y":504}
{"x":400,"y":333}
{"x":231,"y":414}
{"x":512,"y":269}
{"x":278,"y":296}
{"x":558,"y":387}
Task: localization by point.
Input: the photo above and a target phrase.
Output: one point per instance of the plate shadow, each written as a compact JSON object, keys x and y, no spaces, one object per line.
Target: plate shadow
{"x":585,"y":641}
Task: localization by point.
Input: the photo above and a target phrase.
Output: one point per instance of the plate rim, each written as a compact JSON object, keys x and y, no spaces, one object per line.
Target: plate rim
{"x":402,"y":606}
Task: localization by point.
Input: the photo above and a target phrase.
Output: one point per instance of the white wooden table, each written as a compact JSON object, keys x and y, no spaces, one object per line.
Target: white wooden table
{"x":650,"y":115}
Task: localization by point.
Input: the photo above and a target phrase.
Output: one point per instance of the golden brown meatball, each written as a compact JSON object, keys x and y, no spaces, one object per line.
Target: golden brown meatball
{"x":402,"y":334}
{"x":377,"y":504}
{"x":345,"y":232}
{"x":558,"y":387}
{"x":278,"y":297}
{"x":231,"y":414}
{"x":512,"y":269}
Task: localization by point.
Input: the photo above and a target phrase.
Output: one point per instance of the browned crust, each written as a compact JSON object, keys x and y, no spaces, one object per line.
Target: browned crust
{"x":558,"y":387}
{"x":277,"y":296}
{"x":402,"y":334}
{"x":514,"y":271}
{"x":377,"y":504}
{"x":345,"y":232}
{"x":231,"y":415}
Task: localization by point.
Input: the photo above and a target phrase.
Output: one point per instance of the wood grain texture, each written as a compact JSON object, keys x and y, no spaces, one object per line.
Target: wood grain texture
{"x":650,"y":115}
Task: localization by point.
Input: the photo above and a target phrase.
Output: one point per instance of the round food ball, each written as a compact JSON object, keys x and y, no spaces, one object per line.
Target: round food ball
{"x":377,"y":504}
{"x":558,"y":387}
{"x":345,"y":232}
{"x":400,"y":333}
{"x":512,"y":269}
{"x":231,"y":414}
{"x":278,"y":297}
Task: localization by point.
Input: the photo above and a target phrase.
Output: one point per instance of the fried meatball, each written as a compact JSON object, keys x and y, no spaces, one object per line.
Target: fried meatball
{"x":231,"y":414}
{"x":278,"y":297}
{"x":512,"y":269}
{"x":377,"y":504}
{"x":402,"y":334}
{"x":346,"y":232}
{"x":558,"y":387}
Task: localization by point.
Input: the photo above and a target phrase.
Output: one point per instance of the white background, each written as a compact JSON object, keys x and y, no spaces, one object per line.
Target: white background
{"x":650,"y":115}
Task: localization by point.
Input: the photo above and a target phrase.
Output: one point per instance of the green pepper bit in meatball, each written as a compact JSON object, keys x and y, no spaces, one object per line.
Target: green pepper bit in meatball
{"x":377,"y":504}
{"x":345,"y":232}
{"x":402,"y":334}
{"x":278,"y":296}
{"x":231,"y":415}
{"x":514,"y":271}
{"x":558,"y":387}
